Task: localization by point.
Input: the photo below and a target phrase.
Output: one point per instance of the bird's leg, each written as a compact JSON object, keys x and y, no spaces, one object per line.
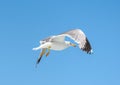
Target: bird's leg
{"x":48,"y":51}
{"x":74,"y":45}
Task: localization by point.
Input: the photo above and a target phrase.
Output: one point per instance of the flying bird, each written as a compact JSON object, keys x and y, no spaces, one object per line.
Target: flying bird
{"x":58,"y":42}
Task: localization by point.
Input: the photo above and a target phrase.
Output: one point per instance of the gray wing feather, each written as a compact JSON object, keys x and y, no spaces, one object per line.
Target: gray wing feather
{"x":79,"y":37}
{"x":57,"y":38}
{"x":45,"y":40}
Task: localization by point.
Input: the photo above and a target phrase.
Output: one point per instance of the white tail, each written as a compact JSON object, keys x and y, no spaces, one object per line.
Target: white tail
{"x":37,"y":48}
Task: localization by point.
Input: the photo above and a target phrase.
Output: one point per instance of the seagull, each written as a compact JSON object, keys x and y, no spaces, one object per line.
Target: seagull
{"x":58,"y":43}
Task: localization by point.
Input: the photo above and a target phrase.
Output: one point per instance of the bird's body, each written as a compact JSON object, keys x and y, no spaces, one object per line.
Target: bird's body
{"x":58,"y":42}
{"x":58,"y":46}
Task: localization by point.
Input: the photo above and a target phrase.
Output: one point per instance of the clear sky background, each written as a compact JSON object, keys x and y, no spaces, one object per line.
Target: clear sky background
{"x":24,"y":22}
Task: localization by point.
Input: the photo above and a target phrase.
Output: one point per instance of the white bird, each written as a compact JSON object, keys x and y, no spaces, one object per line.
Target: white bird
{"x":58,"y":42}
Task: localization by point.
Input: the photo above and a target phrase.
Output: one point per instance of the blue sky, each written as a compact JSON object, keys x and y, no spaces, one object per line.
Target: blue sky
{"x":23,"y":23}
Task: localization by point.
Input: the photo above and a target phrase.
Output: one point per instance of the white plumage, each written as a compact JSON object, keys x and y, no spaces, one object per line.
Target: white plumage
{"x":58,"y":42}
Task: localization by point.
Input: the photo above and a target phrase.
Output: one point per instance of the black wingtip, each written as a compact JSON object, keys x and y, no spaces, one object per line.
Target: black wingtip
{"x":38,"y":61}
{"x":87,"y":47}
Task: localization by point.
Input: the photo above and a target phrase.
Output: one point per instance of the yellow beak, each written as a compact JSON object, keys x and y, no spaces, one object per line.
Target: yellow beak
{"x":74,"y":45}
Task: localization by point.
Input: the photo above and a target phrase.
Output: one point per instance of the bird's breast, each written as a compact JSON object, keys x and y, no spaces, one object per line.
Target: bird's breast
{"x":58,"y":46}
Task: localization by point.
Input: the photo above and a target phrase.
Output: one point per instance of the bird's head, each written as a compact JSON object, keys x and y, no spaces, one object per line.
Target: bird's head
{"x":70,"y":44}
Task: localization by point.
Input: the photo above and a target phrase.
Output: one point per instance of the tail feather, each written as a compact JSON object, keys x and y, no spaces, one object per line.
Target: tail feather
{"x":37,"y":48}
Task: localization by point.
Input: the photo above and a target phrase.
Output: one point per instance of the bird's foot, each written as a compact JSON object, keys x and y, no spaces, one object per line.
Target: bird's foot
{"x":48,"y":51}
{"x":47,"y":54}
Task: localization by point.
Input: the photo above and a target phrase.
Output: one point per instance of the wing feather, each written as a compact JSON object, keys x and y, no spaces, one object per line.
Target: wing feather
{"x":57,"y":38}
{"x":79,"y":37}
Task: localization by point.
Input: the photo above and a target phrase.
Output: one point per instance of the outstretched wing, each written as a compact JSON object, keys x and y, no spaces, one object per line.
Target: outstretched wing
{"x":57,"y":38}
{"x":43,"y":50}
{"x":79,"y":37}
